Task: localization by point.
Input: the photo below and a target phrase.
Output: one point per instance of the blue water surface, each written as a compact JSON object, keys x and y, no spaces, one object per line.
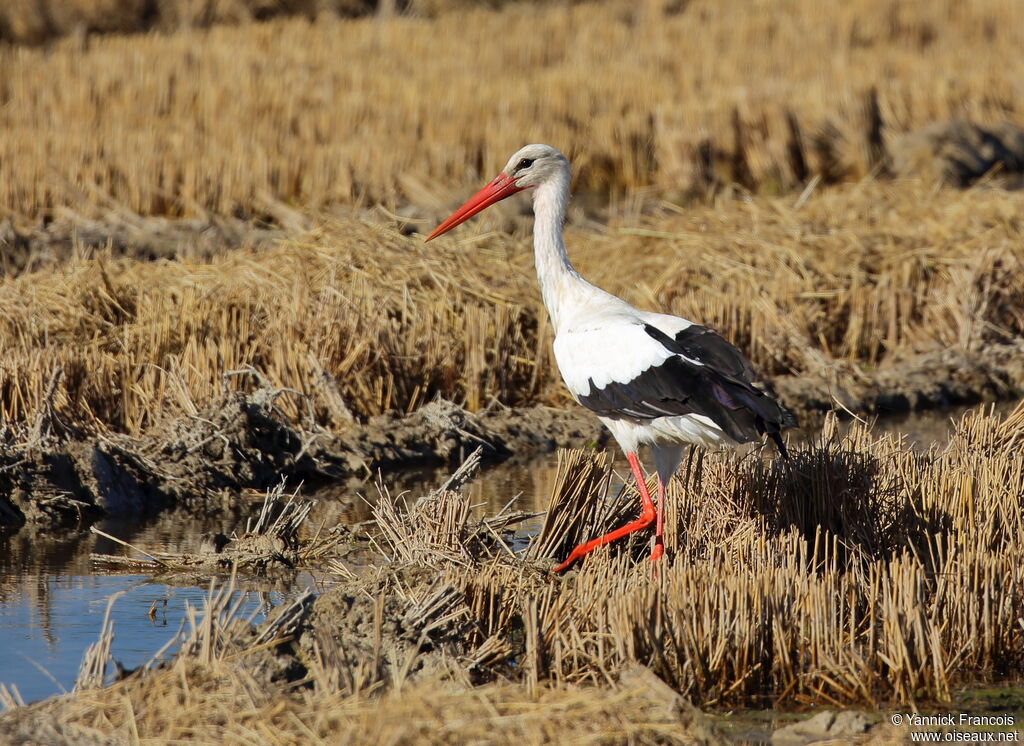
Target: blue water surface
{"x":53,"y":599}
{"x":46,"y":627}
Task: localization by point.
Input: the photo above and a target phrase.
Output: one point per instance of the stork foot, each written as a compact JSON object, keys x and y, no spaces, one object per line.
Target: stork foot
{"x":647,"y":516}
{"x":646,"y":519}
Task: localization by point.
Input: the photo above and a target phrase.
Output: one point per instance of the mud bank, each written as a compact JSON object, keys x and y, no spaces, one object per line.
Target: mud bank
{"x":53,"y":475}
{"x":932,"y":380}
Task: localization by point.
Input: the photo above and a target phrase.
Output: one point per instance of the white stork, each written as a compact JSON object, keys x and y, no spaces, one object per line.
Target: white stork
{"x":650,"y":378}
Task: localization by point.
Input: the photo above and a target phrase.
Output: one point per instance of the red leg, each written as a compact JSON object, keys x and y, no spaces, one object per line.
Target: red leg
{"x":659,"y":544}
{"x":647,"y":515}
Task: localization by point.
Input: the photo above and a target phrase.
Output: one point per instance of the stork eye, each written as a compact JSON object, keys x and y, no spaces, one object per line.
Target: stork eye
{"x":524,"y":163}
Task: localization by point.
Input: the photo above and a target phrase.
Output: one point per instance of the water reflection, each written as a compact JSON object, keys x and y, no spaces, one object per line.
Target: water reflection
{"x":47,"y":622}
{"x":53,"y":599}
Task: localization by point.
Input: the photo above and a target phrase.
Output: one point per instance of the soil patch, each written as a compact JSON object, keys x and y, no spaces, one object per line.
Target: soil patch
{"x":49,"y":243}
{"x":960,"y":152}
{"x":931,"y":380}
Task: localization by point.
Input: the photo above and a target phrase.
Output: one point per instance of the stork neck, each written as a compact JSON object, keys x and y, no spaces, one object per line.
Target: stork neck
{"x":554,"y":271}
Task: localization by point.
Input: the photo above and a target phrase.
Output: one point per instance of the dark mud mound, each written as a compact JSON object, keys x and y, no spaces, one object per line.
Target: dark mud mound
{"x":366,"y":633}
{"x":932,"y":380}
{"x":240,"y":441}
{"x":56,"y":476}
{"x":444,"y":433}
{"x":959,"y":152}
{"x":244,"y":441}
{"x":394,"y":626}
{"x":52,"y":475}
{"x":65,"y":483}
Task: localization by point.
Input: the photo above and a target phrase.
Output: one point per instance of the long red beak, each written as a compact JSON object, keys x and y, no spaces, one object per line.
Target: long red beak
{"x":503,"y":186}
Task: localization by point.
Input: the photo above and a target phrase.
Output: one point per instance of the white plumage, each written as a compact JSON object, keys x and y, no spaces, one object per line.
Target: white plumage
{"x":585,"y":358}
{"x":652,"y":379}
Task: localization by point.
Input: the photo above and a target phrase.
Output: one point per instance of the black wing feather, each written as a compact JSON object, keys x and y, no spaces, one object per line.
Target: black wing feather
{"x":722,"y":387}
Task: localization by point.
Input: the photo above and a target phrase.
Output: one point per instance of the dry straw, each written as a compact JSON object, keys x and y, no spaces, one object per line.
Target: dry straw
{"x":360,"y":319}
{"x":684,"y":96}
{"x":860,"y":573}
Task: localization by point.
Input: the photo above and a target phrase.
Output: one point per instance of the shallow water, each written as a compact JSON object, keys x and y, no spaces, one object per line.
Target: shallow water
{"x":53,"y":598}
{"x":53,"y":601}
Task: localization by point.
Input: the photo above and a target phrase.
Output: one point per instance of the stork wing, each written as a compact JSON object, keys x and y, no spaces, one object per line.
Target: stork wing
{"x":635,"y":370}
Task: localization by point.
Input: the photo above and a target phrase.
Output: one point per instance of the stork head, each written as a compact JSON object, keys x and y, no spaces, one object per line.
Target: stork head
{"x":530,"y":166}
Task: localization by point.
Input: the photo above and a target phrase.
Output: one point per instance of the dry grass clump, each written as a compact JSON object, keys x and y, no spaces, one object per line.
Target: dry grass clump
{"x":682,"y":96}
{"x":435,"y":530}
{"x":360,"y":320}
{"x":222,"y":703}
{"x":860,"y":572}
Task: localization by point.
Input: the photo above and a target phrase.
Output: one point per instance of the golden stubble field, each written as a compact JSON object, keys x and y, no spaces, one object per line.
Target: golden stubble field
{"x":653,"y":101}
{"x":861,"y":573}
{"x":683,"y":96}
